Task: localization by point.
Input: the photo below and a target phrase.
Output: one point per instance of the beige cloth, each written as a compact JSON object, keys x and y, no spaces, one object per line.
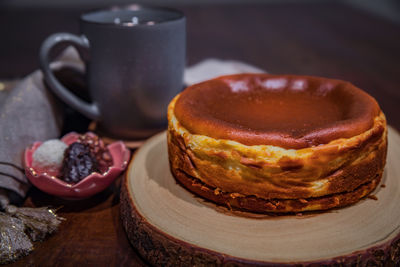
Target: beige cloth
{"x":27,"y":113}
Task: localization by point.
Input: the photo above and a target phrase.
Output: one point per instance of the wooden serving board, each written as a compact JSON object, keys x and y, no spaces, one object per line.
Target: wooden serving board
{"x":169,"y":226}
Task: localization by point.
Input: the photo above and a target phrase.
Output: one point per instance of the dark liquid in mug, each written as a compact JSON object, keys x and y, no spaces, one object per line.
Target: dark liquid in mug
{"x":129,"y":18}
{"x":135,"y":20}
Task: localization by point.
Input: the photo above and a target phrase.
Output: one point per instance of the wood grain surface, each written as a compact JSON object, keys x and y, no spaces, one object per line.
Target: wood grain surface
{"x":329,"y":39}
{"x":182,"y":229}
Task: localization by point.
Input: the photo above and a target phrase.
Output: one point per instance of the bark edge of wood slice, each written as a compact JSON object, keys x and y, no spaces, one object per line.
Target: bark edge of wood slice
{"x":169,"y":226}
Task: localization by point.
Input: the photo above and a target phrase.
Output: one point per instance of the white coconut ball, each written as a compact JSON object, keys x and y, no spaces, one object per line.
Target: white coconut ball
{"x":48,"y":157}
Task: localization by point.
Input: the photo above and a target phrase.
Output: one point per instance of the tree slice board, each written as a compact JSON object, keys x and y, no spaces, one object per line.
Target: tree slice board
{"x":170,"y":226}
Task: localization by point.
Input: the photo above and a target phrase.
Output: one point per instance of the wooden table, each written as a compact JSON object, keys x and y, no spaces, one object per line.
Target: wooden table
{"x":331,"y":40}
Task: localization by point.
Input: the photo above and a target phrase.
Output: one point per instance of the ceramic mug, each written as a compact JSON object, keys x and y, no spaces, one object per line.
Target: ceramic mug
{"x":135,"y":58}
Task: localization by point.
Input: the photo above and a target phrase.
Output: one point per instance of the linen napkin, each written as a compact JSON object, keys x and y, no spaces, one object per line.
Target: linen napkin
{"x":27,"y":113}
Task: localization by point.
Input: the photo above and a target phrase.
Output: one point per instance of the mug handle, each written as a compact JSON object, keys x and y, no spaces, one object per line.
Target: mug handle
{"x":90,"y":110}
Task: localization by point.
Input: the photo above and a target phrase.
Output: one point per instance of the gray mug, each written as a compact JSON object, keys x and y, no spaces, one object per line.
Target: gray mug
{"x":135,"y":58}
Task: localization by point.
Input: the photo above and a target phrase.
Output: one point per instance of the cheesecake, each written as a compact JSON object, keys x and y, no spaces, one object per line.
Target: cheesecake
{"x":277,"y":143}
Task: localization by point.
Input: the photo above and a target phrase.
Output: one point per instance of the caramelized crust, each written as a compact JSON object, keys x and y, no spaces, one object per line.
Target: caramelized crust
{"x":287,"y":111}
{"x":257,"y":177}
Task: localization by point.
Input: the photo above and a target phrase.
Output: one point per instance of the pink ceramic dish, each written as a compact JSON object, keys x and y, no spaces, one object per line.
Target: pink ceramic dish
{"x":90,"y":185}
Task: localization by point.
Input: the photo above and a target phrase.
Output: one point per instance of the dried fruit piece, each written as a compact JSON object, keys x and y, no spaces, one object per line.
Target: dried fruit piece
{"x":79,"y":162}
{"x":98,"y":150}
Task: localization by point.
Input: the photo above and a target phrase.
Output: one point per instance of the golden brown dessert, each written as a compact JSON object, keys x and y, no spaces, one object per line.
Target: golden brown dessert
{"x":277,"y":143}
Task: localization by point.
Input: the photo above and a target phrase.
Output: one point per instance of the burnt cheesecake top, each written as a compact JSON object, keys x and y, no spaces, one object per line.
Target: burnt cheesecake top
{"x":282,"y":110}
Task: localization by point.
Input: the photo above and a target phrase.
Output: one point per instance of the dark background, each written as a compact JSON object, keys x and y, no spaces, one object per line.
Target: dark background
{"x":279,"y":36}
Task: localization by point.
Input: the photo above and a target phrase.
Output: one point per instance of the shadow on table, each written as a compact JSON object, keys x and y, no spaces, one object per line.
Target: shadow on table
{"x":104,"y":200}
